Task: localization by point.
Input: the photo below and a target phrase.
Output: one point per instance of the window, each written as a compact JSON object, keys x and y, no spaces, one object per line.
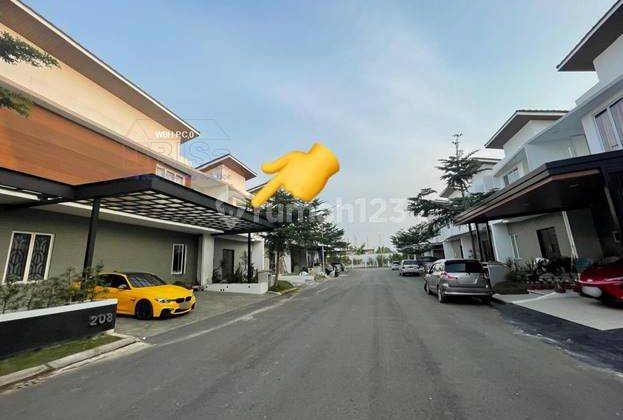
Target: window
{"x":511,"y":176}
{"x":464,"y":267}
{"x":610,"y":126}
{"x":29,"y":256}
{"x":515,"y":243}
{"x":112,"y":281}
{"x":178,"y":266}
{"x":169,"y":174}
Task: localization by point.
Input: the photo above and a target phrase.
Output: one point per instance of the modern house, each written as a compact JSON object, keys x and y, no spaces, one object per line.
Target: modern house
{"x":562,"y":176}
{"x":94,"y":175}
{"x":455,"y":241}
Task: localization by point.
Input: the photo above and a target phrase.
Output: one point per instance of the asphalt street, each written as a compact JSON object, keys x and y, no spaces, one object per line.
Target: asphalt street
{"x":371,"y":345}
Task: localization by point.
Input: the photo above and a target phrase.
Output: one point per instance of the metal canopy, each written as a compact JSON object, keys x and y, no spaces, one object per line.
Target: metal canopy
{"x":144,"y":195}
{"x":555,"y":186}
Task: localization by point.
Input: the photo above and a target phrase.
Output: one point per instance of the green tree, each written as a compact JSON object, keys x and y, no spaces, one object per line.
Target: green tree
{"x":458,"y":171}
{"x":296,"y":224}
{"x":416,"y":237}
{"x":14,"y":51}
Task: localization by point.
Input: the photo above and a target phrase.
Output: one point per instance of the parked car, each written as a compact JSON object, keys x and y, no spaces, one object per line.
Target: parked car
{"x":603,"y":280}
{"x":426,"y":261}
{"x":458,"y":277}
{"x":145,"y":295}
{"x":395,"y":265}
{"x":338,"y":266}
{"x":409,"y":268}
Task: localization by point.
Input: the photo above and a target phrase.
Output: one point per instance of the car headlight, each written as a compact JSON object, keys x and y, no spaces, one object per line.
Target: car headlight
{"x":164,"y":300}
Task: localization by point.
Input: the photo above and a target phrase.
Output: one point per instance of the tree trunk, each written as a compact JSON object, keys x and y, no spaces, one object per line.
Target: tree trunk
{"x":277,"y":267}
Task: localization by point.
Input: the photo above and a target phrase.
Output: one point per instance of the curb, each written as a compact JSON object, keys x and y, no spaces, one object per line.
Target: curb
{"x":88,"y":354}
{"x":24,"y":374}
{"x":284,"y":292}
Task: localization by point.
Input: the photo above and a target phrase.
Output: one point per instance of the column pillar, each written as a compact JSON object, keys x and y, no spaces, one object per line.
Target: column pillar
{"x":90,"y":248}
{"x":205,"y":256}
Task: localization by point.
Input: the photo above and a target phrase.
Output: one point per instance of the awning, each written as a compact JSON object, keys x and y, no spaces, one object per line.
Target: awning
{"x":555,"y":186}
{"x":145,"y":195}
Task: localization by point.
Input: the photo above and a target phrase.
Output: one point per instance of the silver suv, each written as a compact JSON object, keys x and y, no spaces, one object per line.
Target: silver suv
{"x":458,"y":278}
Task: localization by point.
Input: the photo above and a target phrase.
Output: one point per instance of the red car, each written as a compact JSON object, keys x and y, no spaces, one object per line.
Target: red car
{"x":604,"y":281}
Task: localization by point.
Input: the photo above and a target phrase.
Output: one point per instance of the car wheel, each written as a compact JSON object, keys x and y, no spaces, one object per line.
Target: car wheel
{"x":143,"y":310}
{"x":486,"y":300}
{"x":440,"y":296}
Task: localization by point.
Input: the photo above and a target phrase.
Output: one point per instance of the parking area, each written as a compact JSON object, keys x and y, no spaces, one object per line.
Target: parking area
{"x":572,"y":307}
{"x":209,"y":304}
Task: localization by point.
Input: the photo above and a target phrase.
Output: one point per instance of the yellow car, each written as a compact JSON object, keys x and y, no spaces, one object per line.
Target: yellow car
{"x":145,"y":295}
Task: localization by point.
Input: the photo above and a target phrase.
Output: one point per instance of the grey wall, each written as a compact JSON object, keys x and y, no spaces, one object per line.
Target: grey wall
{"x":119,"y":246}
{"x":528,"y":240}
{"x":584,"y":234}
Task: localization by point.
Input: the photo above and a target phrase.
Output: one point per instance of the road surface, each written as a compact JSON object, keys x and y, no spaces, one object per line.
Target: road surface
{"x":371,"y":345}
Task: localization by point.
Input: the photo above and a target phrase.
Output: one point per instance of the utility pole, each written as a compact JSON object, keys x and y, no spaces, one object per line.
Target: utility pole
{"x":456,"y":142}
{"x":457,"y":153}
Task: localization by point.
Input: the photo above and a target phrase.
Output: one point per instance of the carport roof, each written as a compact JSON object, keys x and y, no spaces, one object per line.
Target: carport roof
{"x":144,"y":195}
{"x":555,"y":186}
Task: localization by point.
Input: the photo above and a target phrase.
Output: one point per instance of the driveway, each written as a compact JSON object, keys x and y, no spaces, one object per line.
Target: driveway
{"x":209,"y":304}
{"x":369,"y":346}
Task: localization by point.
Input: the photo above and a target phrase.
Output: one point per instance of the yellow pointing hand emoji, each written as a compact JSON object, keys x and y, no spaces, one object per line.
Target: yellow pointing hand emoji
{"x":304,"y":175}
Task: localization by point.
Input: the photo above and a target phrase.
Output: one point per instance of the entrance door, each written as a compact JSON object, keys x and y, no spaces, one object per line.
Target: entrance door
{"x":228,"y":263}
{"x":548,"y":243}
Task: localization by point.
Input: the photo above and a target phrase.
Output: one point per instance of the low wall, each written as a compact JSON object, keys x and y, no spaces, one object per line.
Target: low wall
{"x":251,"y":288}
{"x":296,"y":280}
{"x":26,"y":330}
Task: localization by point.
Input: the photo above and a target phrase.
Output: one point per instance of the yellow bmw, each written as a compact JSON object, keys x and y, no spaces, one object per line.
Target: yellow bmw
{"x":145,"y":295}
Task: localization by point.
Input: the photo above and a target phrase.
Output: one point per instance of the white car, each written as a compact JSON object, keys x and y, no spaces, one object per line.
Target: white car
{"x":395,"y":265}
{"x":409,"y":268}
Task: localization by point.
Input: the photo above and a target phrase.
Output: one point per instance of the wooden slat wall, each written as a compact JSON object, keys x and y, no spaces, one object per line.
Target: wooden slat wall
{"x":48,"y":145}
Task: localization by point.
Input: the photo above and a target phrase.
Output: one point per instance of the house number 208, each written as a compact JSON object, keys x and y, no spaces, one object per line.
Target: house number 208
{"x":95,"y":320}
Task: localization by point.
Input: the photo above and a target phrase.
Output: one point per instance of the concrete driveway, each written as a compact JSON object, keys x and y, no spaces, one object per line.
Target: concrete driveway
{"x":209,"y":304}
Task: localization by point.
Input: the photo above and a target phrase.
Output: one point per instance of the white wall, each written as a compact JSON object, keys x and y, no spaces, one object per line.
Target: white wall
{"x":609,"y":64}
{"x":531,"y":129}
{"x":502,"y":245}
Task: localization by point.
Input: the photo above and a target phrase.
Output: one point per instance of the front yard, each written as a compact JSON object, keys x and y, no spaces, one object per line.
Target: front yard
{"x":31,"y":358}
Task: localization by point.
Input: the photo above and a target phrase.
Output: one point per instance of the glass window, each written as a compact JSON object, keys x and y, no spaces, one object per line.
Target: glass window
{"x":511,"y":176}
{"x":606,"y":131}
{"x":178,"y":265}
{"x":29,"y":256}
{"x":144,"y":280}
{"x":464,"y":267}
{"x":169,"y":174}
{"x":617,"y":116}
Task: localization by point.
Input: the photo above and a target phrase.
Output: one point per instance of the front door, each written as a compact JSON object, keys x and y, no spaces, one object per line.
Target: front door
{"x":548,"y":243}
{"x":228,"y":263}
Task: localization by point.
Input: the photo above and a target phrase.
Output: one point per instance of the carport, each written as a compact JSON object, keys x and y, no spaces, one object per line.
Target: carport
{"x":593,"y":181}
{"x":148,"y":196}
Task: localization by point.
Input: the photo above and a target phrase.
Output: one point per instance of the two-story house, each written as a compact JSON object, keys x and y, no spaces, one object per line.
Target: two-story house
{"x":562,"y":176}
{"x":94,"y":175}
{"x":456,"y":240}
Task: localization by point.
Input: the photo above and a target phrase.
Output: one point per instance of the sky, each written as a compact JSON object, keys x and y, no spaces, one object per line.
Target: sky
{"x":384,"y":84}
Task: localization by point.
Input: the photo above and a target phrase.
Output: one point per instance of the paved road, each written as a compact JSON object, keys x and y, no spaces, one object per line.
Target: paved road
{"x":370,"y":346}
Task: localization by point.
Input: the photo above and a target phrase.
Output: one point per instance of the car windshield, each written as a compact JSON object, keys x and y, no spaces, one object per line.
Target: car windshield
{"x":464,"y":267}
{"x":144,"y":280}
{"x":410,"y":262}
